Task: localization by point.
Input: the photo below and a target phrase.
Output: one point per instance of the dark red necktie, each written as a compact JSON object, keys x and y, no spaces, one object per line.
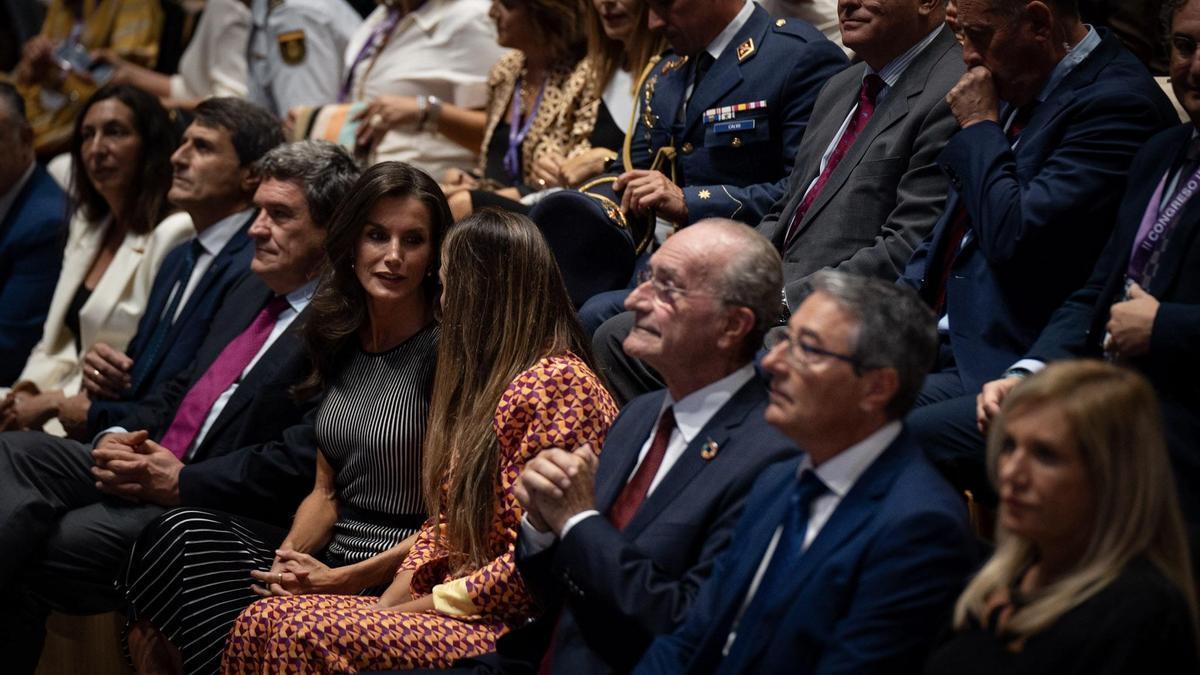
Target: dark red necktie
{"x":962,"y":220}
{"x":634,"y":492}
{"x":871,"y":86}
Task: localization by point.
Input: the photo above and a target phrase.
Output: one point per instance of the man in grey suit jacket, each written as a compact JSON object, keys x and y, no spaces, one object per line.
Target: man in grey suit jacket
{"x":867,"y":212}
{"x":865,"y":188}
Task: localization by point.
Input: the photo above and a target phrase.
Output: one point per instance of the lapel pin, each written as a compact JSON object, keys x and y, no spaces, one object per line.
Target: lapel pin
{"x":745,"y":49}
{"x":709,"y":450}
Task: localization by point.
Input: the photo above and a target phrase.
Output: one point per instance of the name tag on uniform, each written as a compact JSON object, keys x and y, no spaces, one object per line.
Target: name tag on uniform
{"x":730,"y":127}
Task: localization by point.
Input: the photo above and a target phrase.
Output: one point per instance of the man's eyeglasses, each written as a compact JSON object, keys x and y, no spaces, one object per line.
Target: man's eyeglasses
{"x":802,"y":353}
{"x":667,"y":293}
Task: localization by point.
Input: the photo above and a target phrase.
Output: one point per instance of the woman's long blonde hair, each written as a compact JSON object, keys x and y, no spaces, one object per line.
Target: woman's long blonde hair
{"x":504,"y":307}
{"x":1114,"y":416}
{"x":608,"y":55}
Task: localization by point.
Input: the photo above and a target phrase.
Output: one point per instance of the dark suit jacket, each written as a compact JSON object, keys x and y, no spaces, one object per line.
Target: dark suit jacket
{"x":885,"y":195}
{"x":1039,"y":215}
{"x":31,"y":251}
{"x":1173,"y":362}
{"x":737,"y":174}
{"x":179,"y":346}
{"x":259,"y":457}
{"x":869,"y":594}
{"x":618,"y":589}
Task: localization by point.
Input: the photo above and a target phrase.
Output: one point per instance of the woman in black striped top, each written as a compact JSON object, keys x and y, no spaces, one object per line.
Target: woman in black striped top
{"x":372,"y":338}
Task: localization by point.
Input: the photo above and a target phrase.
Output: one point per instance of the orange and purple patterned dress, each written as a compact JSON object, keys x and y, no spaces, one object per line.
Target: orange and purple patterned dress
{"x":559,"y":402}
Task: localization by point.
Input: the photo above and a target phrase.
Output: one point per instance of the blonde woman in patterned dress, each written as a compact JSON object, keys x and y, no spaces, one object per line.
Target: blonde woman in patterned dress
{"x":513,"y":378}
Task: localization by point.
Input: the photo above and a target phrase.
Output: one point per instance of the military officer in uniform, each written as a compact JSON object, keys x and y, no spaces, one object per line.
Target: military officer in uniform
{"x":296,"y":50}
{"x":721,"y":117}
{"x":725,"y":111}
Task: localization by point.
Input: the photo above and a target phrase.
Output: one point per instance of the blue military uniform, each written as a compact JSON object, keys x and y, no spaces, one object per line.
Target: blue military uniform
{"x":735,"y":141}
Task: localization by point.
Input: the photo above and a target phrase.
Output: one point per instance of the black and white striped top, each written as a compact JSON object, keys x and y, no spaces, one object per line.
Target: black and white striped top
{"x":370,"y":427}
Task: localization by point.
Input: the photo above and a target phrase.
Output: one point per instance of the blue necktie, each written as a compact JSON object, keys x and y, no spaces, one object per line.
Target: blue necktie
{"x":770,"y":598}
{"x":142,"y":368}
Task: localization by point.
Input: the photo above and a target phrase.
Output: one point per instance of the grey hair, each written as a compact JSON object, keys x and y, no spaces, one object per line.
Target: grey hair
{"x":1013,"y":8}
{"x":895,"y":329}
{"x":752,"y":277}
{"x":325,"y":170}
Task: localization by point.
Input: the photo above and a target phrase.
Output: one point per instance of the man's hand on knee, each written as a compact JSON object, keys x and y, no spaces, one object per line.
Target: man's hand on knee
{"x":144,"y":471}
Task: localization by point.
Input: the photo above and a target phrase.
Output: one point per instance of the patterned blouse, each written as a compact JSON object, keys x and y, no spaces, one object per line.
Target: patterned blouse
{"x":564,"y":120}
{"x":559,"y":402}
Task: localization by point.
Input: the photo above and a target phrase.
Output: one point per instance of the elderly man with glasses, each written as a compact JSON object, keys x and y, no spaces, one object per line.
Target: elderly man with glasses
{"x":848,"y":558}
{"x":616,"y":548}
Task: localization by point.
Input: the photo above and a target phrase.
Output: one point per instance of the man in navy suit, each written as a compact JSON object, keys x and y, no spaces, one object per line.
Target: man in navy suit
{"x":614,"y":549}
{"x":33,"y":217}
{"x":1052,"y":112}
{"x":1141,"y":305}
{"x":848,"y":559}
{"x":224,"y":433}
{"x":214,"y":182}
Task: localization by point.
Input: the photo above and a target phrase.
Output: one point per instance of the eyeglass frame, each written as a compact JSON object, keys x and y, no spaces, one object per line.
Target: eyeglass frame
{"x":663,"y":290}
{"x":800,"y":352}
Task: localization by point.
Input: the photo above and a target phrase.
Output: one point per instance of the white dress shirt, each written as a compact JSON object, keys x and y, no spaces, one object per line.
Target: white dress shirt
{"x":692,"y":413}
{"x":209,"y":66}
{"x":839,"y":474}
{"x":212,"y":240}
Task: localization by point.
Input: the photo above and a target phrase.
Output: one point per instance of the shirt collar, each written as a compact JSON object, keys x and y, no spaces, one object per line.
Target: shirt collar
{"x":215,"y":236}
{"x":7,"y":200}
{"x":694,"y":411}
{"x":719,"y":43}
{"x":890,"y":74}
{"x":843,"y":470}
{"x":1075,"y":56}
{"x":299,"y":298}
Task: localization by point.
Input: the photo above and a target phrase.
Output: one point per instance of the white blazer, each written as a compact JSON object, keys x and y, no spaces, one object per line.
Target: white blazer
{"x":112,"y":312}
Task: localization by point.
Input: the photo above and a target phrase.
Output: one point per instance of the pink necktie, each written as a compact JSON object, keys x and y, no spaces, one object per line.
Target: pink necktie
{"x":223,"y":372}
{"x":871,"y":86}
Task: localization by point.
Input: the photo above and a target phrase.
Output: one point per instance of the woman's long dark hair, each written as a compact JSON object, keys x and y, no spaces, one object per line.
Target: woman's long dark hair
{"x":160,"y":138}
{"x":339,"y":307}
{"x":505,"y":308}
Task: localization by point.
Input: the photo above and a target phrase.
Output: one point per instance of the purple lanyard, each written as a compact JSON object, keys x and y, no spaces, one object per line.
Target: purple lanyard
{"x":1156,"y":226}
{"x":384,"y":28}
{"x":518,"y":131}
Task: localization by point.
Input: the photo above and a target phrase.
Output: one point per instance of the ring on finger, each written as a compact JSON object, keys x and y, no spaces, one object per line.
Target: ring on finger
{"x":96,"y":372}
{"x":281,"y":578}
{"x":376,"y":120}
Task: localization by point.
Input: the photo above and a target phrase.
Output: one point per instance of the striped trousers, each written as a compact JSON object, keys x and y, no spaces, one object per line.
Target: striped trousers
{"x":189,"y":575}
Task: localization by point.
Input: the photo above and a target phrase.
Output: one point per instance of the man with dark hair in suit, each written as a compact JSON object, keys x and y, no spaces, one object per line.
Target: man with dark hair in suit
{"x":1141,"y":305}
{"x":865,"y":188}
{"x":615,"y":548}
{"x":849,"y":558}
{"x":1052,"y":112}
{"x":223,"y":433}
{"x":33,"y":217}
{"x":214,"y":181}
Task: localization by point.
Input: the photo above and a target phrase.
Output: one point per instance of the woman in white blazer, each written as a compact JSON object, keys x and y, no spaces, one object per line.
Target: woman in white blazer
{"x":121,"y":230}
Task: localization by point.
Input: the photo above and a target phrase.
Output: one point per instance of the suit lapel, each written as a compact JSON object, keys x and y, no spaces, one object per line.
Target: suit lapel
{"x":264,"y":371}
{"x":726,"y":72}
{"x":614,"y":473}
{"x":856,"y":509}
{"x":691,"y":463}
{"x":893,"y":109}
